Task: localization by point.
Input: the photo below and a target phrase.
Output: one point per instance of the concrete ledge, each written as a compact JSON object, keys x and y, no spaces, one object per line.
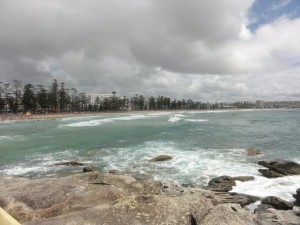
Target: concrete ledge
{"x":6,"y":219}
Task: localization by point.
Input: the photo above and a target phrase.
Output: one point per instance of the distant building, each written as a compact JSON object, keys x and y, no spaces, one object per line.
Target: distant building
{"x":259,"y":104}
{"x":97,"y":98}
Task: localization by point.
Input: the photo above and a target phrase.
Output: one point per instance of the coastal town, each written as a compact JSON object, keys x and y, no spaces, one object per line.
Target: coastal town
{"x":57,"y":98}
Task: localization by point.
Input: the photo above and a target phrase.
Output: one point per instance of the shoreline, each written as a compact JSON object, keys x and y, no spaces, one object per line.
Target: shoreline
{"x":10,"y":118}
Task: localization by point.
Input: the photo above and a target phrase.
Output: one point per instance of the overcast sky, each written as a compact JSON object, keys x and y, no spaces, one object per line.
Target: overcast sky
{"x":206,"y":49}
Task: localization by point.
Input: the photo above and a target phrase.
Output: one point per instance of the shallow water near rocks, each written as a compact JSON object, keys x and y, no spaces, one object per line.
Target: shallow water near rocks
{"x":203,"y":144}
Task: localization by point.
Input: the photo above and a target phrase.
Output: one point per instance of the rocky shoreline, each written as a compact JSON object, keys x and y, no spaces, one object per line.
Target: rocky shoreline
{"x":96,"y":197}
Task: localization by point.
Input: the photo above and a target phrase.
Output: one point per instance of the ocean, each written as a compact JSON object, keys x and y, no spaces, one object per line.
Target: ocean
{"x":203,"y":144}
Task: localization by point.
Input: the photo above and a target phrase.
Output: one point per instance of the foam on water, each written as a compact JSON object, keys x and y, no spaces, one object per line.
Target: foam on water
{"x":198,"y":166}
{"x":90,"y":123}
{"x":159,"y":114}
{"x":39,"y":164}
{"x":6,"y":138}
{"x":78,"y":118}
{"x":131,"y":117}
{"x":282,"y":187}
{"x":22,"y":170}
{"x":186,"y":166}
{"x":196,"y":120}
{"x":179,"y":115}
{"x":174,"y":119}
{"x":13,"y":138}
{"x":97,"y":122}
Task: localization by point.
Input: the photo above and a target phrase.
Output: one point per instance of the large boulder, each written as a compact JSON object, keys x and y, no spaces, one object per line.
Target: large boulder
{"x":236,"y":198}
{"x":283,"y":167}
{"x":297,"y":197}
{"x":222,"y":181}
{"x":269,"y":173}
{"x":277,"y":203}
{"x":161,"y":158}
{"x":90,"y":169}
{"x":69,"y":163}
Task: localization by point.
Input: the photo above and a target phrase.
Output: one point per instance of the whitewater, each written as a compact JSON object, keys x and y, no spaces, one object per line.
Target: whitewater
{"x":203,"y":144}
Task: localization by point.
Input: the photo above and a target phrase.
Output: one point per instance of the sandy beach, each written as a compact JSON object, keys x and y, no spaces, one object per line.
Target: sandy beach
{"x":13,"y":118}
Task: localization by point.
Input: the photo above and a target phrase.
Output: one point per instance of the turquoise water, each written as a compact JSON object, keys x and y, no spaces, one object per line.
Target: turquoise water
{"x":203,"y":145}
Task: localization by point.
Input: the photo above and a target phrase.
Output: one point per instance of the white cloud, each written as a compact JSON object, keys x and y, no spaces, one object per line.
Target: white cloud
{"x":279,"y":5}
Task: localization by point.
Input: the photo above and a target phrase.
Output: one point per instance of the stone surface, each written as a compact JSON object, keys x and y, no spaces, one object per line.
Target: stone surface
{"x":269,"y":173}
{"x":277,"y":203}
{"x":297,"y":197}
{"x":228,"y":214}
{"x":263,"y":208}
{"x":236,"y":198}
{"x":90,"y":169}
{"x":138,"y":209}
{"x":104,"y":198}
{"x":161,"y":158}
{"x":223,"y":181}
{"x":243,"y":178}
{"x":69,"y":163}
{"x":253,"y":152}
{"x":282,"y":167}
{"x":267,"y":215}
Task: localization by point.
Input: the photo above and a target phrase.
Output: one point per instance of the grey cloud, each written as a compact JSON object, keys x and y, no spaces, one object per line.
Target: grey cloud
{"x":172,"y":47}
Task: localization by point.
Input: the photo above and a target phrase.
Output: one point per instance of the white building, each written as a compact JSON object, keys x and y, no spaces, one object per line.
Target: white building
{"x":259,"y":104}
{"x":96,"y":98}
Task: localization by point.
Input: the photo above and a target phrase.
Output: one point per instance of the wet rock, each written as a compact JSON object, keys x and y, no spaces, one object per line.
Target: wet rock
{"x":250,"y":198}
{"x":269,"y":173}
{"x":297,"y":197}
{"x":283,"y":167}
{"x":253,"y":152}
{"x":190,"y":185}
{"x":217,"y":188}
{"x":90,"y":169}
{"x":69,"y":163}
{"x":244,"y":178}
{"x":277,"y":203}
{"x":221,"y":184}
{"x":161,"y":158}
{"x":236,"y":198}
{"x":223,"y":181}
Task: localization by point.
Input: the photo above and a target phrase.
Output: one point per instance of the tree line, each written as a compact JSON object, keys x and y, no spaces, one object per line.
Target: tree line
{"x":15,"y":97}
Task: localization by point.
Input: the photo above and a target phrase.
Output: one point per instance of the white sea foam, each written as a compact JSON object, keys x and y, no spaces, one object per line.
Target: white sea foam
{"x":6,"y":138}
{"x":13,"y":138}
{"x":282,"y":187}
{"x":78,"y":118}
{"x":210,"y":111}
{"x":159,"y":114}
{"x":131,"y":117}
{"x":179,"y":115}
{"x":174,"y":119}
{"x":84,"y":124}
{"x":196,"y":120}
{"x":22,"y":170}
{"x":97,"y":122}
